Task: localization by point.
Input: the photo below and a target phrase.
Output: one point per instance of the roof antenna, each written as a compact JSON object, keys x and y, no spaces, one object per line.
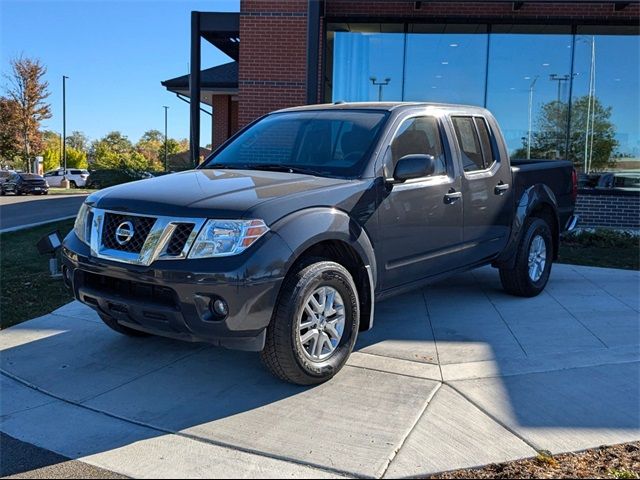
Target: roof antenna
{"x":339,"y":102}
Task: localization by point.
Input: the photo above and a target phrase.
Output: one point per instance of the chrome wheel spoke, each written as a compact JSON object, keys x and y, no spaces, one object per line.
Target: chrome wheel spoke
{"x":310,"y":335}
{"x":537,"y":258}
{"x":321,"y":323}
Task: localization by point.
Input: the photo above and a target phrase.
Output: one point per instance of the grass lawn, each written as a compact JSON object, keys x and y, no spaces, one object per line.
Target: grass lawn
{"x":26,"y":289}
{"x":601,"y":248}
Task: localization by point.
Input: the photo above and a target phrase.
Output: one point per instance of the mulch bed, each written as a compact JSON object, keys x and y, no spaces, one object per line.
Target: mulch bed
{"x":617,"y":461}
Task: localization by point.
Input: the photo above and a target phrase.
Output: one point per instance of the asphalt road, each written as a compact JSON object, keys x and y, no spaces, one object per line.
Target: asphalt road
{"x":23,"y":460}
{"x":27,"y":210}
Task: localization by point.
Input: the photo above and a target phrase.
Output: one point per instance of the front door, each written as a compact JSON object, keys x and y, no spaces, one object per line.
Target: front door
{"x":487,"y":189}
{"x":420,"y":220}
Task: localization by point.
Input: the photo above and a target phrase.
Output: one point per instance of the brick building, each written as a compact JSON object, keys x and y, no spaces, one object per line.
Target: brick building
{"x":562,"y":77}
{"x":292,"y":52}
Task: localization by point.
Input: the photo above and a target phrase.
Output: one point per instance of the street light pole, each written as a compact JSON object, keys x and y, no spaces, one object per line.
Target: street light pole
{"x":533,"y":84}
{"x":165,"y":137}
{"x":384,"y":83}
{"x":64,"y":124}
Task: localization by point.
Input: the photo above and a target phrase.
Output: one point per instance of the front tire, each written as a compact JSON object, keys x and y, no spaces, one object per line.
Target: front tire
{"x":314,"y":325}
{"x":532,"y":267}
{"x":121,"y":329}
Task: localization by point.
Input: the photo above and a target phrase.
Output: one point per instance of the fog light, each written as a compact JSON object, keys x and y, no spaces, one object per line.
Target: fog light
{"x":220,"y":307}
{"x":66,"y":276}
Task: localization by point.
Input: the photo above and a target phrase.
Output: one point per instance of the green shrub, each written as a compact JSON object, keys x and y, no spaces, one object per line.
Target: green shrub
{"x":602,"y":238}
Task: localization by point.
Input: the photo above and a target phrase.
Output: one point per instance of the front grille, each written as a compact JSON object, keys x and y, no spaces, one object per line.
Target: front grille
{"x":141,"y":227}
{"x":126,"y":289}
{"x":179,"y":238}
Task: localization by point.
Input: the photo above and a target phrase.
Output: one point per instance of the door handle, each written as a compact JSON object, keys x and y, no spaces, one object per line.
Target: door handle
{"x":501,"y":188}
{"x":452,"y":197}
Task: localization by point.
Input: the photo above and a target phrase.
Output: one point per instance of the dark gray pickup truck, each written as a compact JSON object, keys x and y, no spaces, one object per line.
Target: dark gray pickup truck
{"x":287,"y":234}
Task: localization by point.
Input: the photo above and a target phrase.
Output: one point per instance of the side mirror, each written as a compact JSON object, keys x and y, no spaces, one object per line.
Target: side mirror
{"x":416,"y":165}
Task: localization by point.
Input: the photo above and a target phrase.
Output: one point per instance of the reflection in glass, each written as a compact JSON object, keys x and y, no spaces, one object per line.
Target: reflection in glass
{"x":605,"y":126}
{"x":528,"y":90}
{"x":446,"y":67}
{"x":367,"y":66}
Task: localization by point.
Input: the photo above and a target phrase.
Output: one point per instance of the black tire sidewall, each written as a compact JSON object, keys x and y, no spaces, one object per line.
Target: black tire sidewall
{"x":537,"y":226}
{"x":331,"y":275}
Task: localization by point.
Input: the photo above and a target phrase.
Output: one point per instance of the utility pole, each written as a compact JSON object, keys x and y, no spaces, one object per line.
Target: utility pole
{"x":64,"y":126}
{"x":381,"y":84}
{"x":165,"y":137}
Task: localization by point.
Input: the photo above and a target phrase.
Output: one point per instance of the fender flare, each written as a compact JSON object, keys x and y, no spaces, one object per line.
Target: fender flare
{"x":305,"y":228}
{"x":533,"y":198}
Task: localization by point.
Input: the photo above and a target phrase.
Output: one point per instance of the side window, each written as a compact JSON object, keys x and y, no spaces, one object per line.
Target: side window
{"x":469,"y":144}
{"x":485,"y":140}
{"x":419,"y":135}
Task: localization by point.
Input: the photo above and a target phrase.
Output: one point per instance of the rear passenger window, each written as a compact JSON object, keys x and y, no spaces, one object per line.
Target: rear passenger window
{"x":419,"y":135}
{"x":485,"y":141}
{"x":469,"y":144}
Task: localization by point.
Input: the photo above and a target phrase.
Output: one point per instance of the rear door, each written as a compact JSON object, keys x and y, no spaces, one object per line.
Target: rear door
{"x":53,"y":178}
{"x":486,"y":184}
{"x":420,"y":229}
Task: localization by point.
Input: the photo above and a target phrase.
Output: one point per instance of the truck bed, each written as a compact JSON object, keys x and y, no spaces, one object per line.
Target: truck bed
{"x":555,"y":174}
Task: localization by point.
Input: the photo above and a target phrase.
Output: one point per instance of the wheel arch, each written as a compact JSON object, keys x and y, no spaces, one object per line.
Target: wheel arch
{"x":537,"y":201}
{"x":330,"y":233}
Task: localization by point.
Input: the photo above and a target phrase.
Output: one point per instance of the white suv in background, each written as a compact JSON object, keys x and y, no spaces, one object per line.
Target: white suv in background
{"x":77,"y":177}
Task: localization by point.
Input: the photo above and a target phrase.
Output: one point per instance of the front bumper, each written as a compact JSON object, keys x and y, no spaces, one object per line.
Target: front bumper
{"x":172,"y":297}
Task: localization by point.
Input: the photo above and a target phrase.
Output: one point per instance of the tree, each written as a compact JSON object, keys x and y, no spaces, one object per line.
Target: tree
{"x":28,"y":91}
{"x":550,"y":141}
{"x":8,"y":133}
{"x":115,"y":152}
{"x":52,"y":148}
{"x":78,"y":140}
{"x":149,"y":146}
{"x":76,"y":158}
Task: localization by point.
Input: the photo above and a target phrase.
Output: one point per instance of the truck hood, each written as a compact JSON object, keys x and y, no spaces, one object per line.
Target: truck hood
{"x":221,"y":193}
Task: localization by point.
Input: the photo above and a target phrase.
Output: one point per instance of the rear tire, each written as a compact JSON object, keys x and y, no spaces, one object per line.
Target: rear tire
{"x":334,"y":320}
{"x":113,"y":325}
{"x":532,"y":267}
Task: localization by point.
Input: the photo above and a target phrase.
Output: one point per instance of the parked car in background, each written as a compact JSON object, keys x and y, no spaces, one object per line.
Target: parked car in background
{"x":77,"y":177}
{"x":284,"y":238}
{"x":5,"y":174}
{"x":24,"y":184}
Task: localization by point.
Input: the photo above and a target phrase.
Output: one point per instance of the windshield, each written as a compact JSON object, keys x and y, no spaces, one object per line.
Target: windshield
{"x":320,"y":142}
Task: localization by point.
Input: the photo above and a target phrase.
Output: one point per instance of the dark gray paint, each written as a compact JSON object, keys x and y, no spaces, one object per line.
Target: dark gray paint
{"x":405,"y":234}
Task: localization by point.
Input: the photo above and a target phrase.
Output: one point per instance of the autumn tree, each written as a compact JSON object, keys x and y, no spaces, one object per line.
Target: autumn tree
{"x":8,"y":133}
{"x":149,"y":146}
{"x":52,"y":146}
{"x":27,"y":90}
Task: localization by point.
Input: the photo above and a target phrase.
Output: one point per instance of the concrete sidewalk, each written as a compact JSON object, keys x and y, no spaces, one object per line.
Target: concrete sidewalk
{"x":455,"y":376}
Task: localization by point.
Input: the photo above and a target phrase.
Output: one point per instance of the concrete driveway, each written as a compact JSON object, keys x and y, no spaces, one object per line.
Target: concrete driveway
{"x":457,"y":375}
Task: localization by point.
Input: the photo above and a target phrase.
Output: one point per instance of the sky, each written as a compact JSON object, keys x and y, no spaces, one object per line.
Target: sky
{"x":115,"y":54}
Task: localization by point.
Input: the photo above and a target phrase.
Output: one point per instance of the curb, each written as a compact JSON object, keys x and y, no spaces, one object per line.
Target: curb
{"x":37,"y":224}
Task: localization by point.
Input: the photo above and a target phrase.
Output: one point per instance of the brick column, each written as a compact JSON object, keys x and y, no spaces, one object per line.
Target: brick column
{"x":273,"y":46}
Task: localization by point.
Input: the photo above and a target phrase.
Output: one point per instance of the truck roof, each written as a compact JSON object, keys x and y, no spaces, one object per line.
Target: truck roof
{"x":390,"y":106}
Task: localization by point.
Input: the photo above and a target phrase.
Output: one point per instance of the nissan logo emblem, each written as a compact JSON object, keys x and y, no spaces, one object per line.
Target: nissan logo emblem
{"x":124,"y":233}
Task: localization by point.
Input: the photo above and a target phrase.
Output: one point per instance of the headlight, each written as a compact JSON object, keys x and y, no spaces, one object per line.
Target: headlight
{"x":219,"y":238}
{"x":82,"y":227}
